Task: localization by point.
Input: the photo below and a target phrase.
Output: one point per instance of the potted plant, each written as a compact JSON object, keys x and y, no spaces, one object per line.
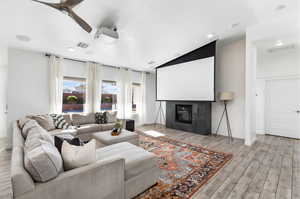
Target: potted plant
{"x":72,"y":99}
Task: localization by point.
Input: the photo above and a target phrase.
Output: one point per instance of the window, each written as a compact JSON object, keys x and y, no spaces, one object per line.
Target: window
{"x":109,"y":92}
{"x":136,"y":95}
{"x":74,"y":93}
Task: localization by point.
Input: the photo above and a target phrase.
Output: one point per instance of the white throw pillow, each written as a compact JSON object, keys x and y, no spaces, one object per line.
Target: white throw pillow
{"x":111,"y":116}
{"x":78,"y":156}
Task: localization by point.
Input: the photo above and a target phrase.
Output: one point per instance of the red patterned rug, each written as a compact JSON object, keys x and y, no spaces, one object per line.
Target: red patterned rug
{"x":184,"y":167}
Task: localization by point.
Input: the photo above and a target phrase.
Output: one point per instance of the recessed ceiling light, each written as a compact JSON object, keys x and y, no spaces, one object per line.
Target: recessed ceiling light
{"x":280,"y":7}
{"x":71,"y":49}
{"x":279,"y":43}
{"x":23,"y":38}
{"x":211,"y":35}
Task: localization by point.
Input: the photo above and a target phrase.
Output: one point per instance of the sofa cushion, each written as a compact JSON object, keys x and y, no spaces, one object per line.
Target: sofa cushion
{"x":78,"y":156}
{"x":27,"y":126}
{"x":45,"y":121}
{"x":43,"y":162}
{"x":70,"y":131}
{"x":34,"y":135}
{"x":88,"y":128}
{"x":137,"y":160}
{"x":21,"y":180}
{"x":107,"y":127}
{"x":22,"y":122}
{"x":111,"y":116}
{"x":67,"y":118}
{"x":80,"y":119}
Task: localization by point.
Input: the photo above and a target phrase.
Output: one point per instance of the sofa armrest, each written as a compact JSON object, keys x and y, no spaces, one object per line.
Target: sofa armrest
{"x":103,"y":179}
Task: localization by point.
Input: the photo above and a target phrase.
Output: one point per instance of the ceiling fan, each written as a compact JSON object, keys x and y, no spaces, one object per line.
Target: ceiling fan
{"x":66,"y":7}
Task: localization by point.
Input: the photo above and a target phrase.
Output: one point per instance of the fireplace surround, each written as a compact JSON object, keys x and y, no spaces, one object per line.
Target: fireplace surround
{"x":189,"y":116}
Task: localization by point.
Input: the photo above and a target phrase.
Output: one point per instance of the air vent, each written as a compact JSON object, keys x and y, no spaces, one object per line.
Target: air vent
{"x":287,"y":47}
{"x":82,"y":45}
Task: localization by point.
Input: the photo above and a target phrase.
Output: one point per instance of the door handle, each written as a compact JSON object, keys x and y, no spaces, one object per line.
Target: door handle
{"x":298,"y":111}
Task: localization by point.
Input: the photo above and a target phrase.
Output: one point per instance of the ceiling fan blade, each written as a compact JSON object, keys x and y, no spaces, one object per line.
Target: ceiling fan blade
{"x":72,"y":3}
{"x":80,"y":21}
{"x":53,"y":5}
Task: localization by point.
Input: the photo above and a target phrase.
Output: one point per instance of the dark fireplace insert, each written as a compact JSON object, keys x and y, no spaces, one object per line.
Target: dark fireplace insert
{"x":184,"y":113}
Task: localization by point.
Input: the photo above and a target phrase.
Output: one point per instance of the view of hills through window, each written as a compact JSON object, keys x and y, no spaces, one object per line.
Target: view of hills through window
{"x":74,"y":94}
{"x":109,"y":92}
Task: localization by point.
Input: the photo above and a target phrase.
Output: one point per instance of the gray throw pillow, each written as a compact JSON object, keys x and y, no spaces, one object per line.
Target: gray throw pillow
{"x":22,"y":122}
{"x":43,"y":162}
{"x":27,"y":126}
{"x":111,"y":117}
{"x":45,"y":121}
{"x":34,"y":135}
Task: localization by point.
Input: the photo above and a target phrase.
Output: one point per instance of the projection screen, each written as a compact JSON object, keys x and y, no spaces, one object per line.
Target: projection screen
{"x":189,"y":81}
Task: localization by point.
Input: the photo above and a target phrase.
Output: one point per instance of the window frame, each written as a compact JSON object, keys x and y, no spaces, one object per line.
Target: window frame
{"x":114,"y":105}
{"x":78,"y":79}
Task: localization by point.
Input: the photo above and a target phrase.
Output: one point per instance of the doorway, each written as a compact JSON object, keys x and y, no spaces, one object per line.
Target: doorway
{"x":282,"y":100}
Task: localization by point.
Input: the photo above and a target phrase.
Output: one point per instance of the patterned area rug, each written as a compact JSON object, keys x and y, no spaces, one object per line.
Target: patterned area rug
{"x":184,"y":167}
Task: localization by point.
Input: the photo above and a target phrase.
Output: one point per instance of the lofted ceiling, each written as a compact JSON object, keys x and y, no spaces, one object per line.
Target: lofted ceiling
{"x":152,"y":32}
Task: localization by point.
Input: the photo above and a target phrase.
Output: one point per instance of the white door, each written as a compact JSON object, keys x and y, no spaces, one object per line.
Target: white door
{"x":283,"y":107}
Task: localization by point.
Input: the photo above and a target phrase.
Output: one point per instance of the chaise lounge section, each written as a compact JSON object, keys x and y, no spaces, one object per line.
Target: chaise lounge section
{"x":121,"y":170}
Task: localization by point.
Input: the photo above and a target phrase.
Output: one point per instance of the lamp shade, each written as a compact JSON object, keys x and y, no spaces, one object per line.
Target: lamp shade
{"x":226,"y":96}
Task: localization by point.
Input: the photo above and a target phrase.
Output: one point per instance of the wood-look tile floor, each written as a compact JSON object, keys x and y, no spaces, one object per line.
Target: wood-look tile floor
{"x":269,"y":169}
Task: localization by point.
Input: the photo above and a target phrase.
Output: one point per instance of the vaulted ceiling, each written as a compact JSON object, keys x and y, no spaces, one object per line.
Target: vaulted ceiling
{"x":150,"y":30}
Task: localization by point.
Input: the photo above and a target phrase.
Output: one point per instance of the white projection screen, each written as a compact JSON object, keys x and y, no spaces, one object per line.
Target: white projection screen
{"x":189,"y":81}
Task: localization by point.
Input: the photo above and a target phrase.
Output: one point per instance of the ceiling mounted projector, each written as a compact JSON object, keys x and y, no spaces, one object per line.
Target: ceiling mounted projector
{"x":107,"y":35}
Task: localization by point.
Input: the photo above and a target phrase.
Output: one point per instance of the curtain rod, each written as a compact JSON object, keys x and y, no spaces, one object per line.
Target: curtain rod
{"x":77,"y":60}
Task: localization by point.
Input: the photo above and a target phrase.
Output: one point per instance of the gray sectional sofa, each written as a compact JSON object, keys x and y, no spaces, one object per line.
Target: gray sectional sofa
{"x":121,"y":171}
{"x":83,"y":126}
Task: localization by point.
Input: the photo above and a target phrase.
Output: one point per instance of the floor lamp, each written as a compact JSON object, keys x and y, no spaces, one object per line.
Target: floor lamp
{"x":160,"y":117}
{"x":225,"y":97}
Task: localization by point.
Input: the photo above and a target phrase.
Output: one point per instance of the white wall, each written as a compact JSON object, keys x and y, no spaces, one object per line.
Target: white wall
{"x":3,"y":89}
{"x":282,"y":63}
{"x":28,"y":87}
{"x":279,"y":64}
{"x":230,"y":76}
